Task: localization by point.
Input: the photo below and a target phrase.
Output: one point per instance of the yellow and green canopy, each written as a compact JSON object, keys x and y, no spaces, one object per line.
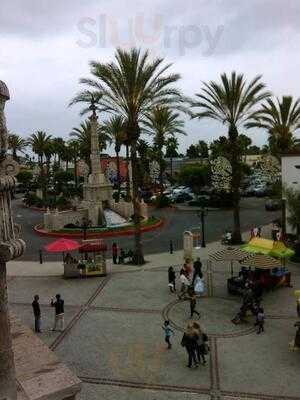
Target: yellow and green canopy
{"x":273,"y":248}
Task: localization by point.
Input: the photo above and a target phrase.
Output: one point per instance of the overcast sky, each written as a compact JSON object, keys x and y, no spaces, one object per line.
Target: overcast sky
{"x":45,"y":47}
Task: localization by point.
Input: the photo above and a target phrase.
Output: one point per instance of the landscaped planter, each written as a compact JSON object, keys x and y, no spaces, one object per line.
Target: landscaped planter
{"x":98,"y":233}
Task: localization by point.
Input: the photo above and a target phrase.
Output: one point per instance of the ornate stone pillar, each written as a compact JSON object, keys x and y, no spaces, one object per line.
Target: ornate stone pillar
{"x":10,"y":247}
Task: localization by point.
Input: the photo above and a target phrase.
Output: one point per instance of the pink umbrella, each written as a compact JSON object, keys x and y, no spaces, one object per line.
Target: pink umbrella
{"x":62,"y":245}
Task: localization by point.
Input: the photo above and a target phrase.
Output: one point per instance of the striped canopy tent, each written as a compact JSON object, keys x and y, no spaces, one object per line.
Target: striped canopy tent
{"x":261,"y":261}
{"x":229,"y":254}
{"x":269,"y":247}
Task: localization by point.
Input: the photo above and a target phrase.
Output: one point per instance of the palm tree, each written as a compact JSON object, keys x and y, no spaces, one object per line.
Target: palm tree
{"x":16,"y":144}
{"x":39,"y":142}
{"x":130,"y":86}
{"x":59,"y":149}
{"x":232,"y":103}
{"x":172,"y":145}
{"x":146,"y":154}
{"x":281,"y":119}
{"x":114,"y":128}
{"x":83,"y":137}
{"x":163,"y":123}
{"x":74,"y":152}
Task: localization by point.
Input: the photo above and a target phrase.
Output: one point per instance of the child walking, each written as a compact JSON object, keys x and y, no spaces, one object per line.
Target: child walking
{"x":168,"y":333}
{"x":260,"y":320}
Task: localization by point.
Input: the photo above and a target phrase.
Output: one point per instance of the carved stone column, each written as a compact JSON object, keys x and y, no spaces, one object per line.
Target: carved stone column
{"x":10,"y":247}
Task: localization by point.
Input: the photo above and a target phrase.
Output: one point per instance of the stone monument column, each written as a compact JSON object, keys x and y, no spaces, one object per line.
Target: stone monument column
{"x":10,"y":247}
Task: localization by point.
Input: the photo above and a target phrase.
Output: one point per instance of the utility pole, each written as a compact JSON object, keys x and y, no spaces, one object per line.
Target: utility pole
{"x":10,"y":248}
{"x":202,"y":214}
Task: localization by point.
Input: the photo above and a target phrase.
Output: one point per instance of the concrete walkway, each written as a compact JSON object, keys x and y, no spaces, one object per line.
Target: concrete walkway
{"x":55,"y":268}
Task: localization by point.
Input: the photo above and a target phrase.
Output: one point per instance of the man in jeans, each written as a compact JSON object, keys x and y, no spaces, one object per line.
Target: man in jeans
{"x":59,"y":313}
{"x":37,"y":314}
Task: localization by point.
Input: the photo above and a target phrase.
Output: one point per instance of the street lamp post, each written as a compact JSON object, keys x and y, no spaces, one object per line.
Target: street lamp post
{"x":202,"y":214}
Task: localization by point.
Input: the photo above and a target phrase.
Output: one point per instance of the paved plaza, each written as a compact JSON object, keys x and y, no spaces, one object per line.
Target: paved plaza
{"x":114,"y":341}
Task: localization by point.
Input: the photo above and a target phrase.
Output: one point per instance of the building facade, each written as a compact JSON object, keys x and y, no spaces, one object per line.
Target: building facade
{"x":290,"y":170}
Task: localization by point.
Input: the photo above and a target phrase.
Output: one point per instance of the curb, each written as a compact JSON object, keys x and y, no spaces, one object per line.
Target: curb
{"x":129,"y":232}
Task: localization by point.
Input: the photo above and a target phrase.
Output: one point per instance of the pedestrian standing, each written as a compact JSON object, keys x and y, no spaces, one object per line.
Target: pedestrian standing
{"x":193,"y":303}
{"x":197,"y":269}
{"x":189,"y":341}
{"x":59,"y":321}
{"x":168,"y":333}
{"x":172,"y":279}
{"x":260,"y":320}
{"x":36,"y":313}
{"x":202,"y":343}
{"x":114,"y":250}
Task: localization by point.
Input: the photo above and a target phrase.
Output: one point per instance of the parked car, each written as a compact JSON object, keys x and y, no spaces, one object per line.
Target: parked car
{"x":273,"y":204}
{"x":260,"y":190}
{"x":183,"y":197}
{"x":248,"y":191}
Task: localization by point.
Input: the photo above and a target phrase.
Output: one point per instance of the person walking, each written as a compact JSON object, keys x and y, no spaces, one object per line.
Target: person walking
{"x":37,"y":314}
{"x":168,"y":333}
{"x":59,"y":313}
{"x":189,"y":341}
{"x":114,"y":250}
{"x":172,"y":279}
{"x":193,"y":303}
{"x":185,"y":283}
{"x":260,"y":320}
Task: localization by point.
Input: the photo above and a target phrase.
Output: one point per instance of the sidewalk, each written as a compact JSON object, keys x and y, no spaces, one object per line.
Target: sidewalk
{"x":31,"y":268}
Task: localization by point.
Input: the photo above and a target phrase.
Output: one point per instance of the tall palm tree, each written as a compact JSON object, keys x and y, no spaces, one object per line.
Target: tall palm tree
{"x":114,"y":128}
{"x":163,"y":123}
{"x":231,"y":102}
{"x":16,"y":144}
{"x":74,"y":151}
{"x":83,"y":136}
{"x":39,"y":142}
{"x":130,"y":86}
{"x":281,"y":119}
{"x":59,"y":149}
{"x":172,"y":145}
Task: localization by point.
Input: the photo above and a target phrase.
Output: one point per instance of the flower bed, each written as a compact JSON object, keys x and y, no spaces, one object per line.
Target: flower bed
{"x":151,"y":224}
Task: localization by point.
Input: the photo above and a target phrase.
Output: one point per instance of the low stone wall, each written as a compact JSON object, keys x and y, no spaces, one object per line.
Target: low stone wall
{"x":125,"y":209}
{"x":56,"y":220}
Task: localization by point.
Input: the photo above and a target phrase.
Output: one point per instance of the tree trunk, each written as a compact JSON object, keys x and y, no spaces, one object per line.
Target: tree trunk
{"x":8,"y":388}
{"x":15,"y":157}
{"x":171,"y":168}
{"x":138,"y":253}
{"x":128,"y":196}
{"x":235,"y":184}
{"x":161,"y":180}
{"x":75,"y":173}
{"x":42,"y":175}
{"x":118,"y":174}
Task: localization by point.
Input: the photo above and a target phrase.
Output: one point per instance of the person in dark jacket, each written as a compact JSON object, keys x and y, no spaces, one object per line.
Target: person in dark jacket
{"x":172,"y":279}
{"x":59,"y":313}
{"x":189,"y":341}
{"x":193,"y":303}
{"x":197,"y":270}
{"x":37,"y":314}
{"x":114,"y":250}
